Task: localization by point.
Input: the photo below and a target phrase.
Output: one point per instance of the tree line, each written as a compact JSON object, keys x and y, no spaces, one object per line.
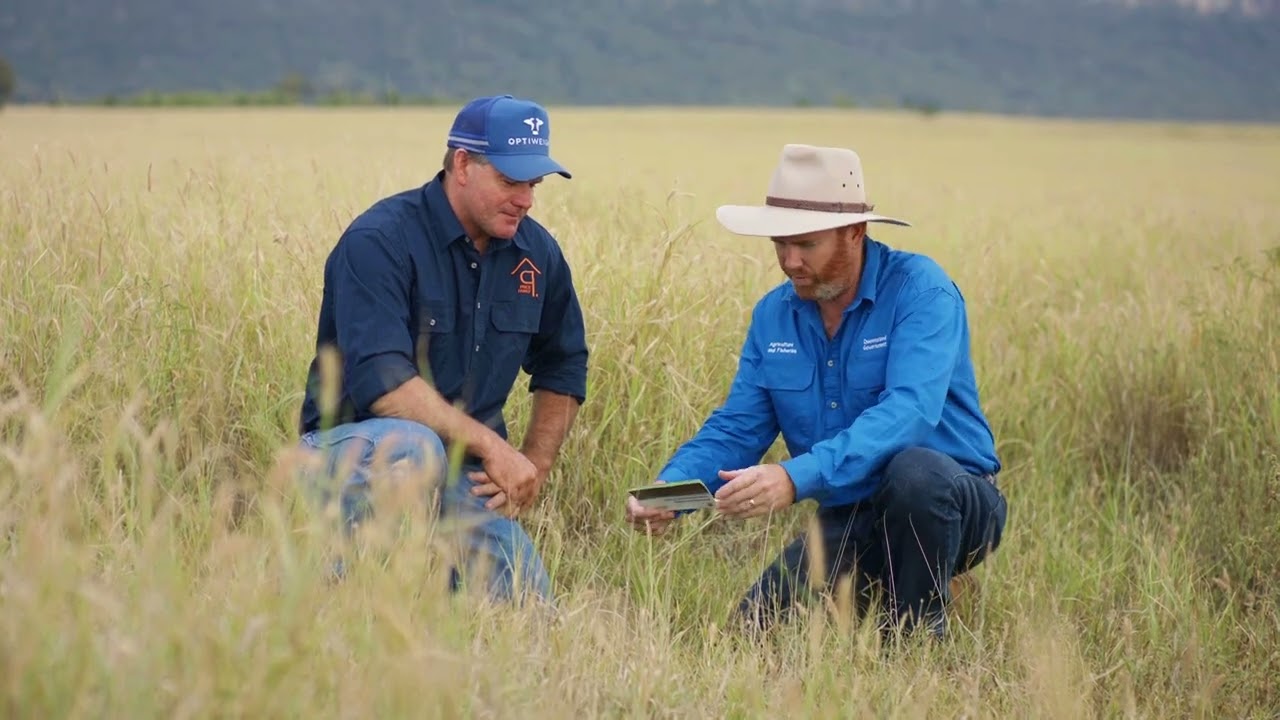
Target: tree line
{"x":8,"y":81}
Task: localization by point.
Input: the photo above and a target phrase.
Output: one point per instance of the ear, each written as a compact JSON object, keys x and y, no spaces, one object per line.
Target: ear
{"x":462,"y":166}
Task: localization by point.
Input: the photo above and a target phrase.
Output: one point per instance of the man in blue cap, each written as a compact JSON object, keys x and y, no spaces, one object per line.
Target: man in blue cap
{"x":434,"y":299}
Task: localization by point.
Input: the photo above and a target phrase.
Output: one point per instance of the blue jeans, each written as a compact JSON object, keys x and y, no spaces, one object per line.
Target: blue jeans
{"x":351,"y":451}
{"x":929,"y":522}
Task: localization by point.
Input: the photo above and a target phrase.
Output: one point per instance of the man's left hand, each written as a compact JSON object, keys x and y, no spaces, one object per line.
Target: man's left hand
{"x":498,"y":502}
{"x":757,"y":490}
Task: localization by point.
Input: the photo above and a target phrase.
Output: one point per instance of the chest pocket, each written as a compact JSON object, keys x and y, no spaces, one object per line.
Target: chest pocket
{"x":437,"y":321}
{"x":864,"y":379}
{"x":432,"y":348}
{"x":789,"y":375}
{"x":516,"y":316}
{"x":789,"y":382}
{"x":514,"y":323}
{"x":866,"y":370}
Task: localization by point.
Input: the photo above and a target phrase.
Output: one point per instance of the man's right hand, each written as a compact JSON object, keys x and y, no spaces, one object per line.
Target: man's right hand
{"x":653,"y":522}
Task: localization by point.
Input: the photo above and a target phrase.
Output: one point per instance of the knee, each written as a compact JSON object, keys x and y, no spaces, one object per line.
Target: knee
{"x":404,"y":445}
{"x":914,"y":479}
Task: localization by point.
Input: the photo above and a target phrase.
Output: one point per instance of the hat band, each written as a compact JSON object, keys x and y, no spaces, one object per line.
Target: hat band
{"x":816,"y":206}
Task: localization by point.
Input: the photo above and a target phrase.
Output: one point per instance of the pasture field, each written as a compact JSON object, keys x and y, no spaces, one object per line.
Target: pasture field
{"x":160,"y":277}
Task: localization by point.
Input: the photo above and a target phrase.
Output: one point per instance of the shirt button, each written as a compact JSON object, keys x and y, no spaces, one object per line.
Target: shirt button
{"x":477,"y":306}
{"x":835,"y":405}
{"x":831,"y":363}
{"x":432,"y":321}
{"x":473,"y":266}
{"x":477,"y":348}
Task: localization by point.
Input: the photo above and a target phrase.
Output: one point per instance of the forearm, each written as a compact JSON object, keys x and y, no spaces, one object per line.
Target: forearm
{"x":416,"y":400}
{"x":733,"y":437}
{"x":552,"y":416}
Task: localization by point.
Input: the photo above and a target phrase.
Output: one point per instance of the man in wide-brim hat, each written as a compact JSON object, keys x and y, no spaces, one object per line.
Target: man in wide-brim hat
{"x":861,"y":361}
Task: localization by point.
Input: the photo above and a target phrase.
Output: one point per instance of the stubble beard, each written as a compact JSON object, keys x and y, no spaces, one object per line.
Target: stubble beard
{"x":828,"y":291}
{"x":840,"y":271}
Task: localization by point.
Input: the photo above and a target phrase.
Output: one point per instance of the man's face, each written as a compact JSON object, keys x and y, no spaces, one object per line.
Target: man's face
{"x":494,"y":204}
{"x":821,"y":264}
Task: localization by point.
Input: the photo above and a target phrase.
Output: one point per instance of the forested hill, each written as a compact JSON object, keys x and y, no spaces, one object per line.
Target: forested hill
{"x":1176,"y":59}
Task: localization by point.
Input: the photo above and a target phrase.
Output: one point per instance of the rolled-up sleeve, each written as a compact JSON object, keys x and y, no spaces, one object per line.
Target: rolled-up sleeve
{"x":557,"y":355}
{"x":370,"y":277}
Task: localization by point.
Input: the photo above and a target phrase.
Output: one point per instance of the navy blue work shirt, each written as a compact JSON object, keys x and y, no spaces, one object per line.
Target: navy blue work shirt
{"x":896,"y":375}
{"x":406,"y":293}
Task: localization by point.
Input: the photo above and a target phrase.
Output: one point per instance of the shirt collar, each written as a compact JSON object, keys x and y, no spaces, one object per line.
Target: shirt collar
{"x":451,"y":228}
{"x":872,"y":257}
{"x":441,"y":211}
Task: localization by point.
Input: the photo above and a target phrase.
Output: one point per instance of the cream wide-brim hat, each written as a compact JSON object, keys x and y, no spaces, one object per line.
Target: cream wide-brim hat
{"x":812,"y":188}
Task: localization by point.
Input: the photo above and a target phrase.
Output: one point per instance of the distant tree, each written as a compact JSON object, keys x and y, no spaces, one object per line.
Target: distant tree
{"x":923,"y":104}
{"x":843,"y":100}
{"x":8,"y":81}
{"x":295,"y":87}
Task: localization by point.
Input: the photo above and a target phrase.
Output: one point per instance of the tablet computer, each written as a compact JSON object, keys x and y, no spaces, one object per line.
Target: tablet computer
{"x":675,"y":496}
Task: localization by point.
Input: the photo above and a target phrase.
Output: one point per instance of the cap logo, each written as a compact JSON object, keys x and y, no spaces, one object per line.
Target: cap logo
{"x":534,"y":123}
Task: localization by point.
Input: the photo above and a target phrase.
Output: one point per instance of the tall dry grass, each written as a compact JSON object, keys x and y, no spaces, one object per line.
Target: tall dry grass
{"x":160,"y":279}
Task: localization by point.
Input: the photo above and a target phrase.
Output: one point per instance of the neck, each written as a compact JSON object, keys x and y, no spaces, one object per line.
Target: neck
{"x":473,"y":231}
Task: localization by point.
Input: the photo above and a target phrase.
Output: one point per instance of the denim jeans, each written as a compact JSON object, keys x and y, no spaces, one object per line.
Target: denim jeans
{"x":929,"y":522}
{"x":351,"y":452}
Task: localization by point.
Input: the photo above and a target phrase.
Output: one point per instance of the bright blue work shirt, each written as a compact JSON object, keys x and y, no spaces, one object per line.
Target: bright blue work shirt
{"x":406,"y":293}
{"x":896,"y":375}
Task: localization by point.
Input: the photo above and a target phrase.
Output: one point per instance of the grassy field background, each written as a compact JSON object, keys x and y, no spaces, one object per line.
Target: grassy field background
{"x":161,"y":273}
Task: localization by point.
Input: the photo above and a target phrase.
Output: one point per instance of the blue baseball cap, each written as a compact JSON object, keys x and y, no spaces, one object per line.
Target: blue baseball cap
{"x":513,"y":134}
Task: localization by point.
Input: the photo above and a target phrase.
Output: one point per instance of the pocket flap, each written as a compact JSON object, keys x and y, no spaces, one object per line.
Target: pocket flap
{"x":787,"y":373}
{"x":518,"y":316}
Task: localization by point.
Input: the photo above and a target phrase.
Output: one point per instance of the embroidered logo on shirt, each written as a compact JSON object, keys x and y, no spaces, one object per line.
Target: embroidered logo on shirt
{"x":785,"y":348}
{"x":527,"y":275}
{"x":875,"y":343}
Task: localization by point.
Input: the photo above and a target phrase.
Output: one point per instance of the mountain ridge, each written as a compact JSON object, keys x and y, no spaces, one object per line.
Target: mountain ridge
{"x":1162,"y":59}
